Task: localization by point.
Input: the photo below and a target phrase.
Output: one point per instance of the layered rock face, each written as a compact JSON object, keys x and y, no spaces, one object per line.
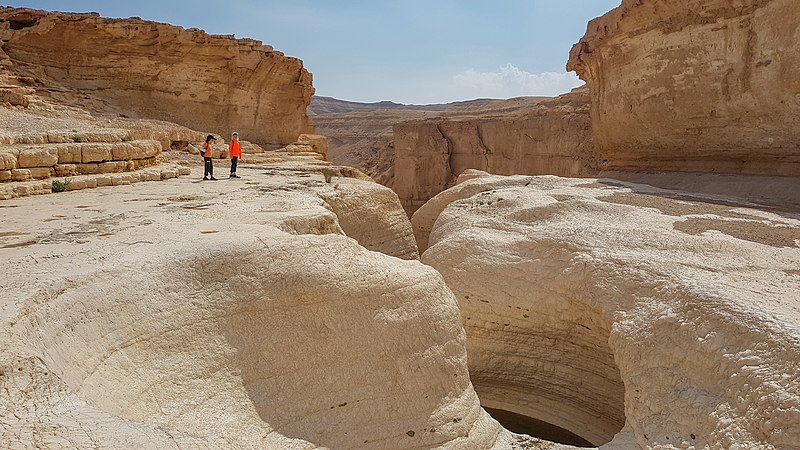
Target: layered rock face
{"x":591,"y":304}
{"x":158,"y":71}
{"x":704,"y":86}
{"x":548,"y":137}
{"x":81,"y":150}
{"x":262,"y":326}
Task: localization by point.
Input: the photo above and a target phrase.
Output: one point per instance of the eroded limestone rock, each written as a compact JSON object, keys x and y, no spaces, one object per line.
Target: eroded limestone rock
{"x":700,"y":86}
{"x":215,"y":328}
{"x":577,"y":294}
{"x":158,"y":71}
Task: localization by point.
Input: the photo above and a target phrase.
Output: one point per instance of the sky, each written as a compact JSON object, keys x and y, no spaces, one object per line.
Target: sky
{"x":407,"y":51}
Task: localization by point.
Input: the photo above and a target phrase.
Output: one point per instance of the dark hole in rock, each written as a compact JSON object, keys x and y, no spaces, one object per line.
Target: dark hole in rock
{"x":527,"y":425}
{"x":178,"y":145}
{"x":20,"y":24}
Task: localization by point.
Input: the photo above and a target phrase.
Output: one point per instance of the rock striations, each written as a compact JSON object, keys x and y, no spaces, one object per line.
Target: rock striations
{"x":701,"y":86}
{"x":157,"y":71}
{"x":169,"y":318}
{"x":548,"y":137}
{"x":591,"y":304}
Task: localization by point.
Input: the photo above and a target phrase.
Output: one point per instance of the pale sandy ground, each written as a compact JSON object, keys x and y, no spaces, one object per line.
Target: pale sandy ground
{"x":42,"y":237}
{"x":107,"y":340}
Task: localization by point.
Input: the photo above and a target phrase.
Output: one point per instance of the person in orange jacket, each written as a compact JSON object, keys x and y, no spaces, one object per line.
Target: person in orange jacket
{"x":208,"y":153}
{"x":235,"y":150}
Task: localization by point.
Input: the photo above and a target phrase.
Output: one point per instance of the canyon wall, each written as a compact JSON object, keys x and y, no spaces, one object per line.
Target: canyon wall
{"x":152,"y":70}
{"x":702,"y":86}
{"x":551,"y":137}
{"x":361,"y":134}
{"x":363,"y":139}
{"x":708,"y":86}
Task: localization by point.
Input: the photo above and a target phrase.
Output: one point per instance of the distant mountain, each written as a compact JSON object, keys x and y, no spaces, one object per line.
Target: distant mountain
{"x":329,"y":105}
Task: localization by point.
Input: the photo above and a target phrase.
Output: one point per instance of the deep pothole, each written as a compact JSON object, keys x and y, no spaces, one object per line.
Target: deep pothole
{"x":532,"y":427}
{"x":548,"y":374}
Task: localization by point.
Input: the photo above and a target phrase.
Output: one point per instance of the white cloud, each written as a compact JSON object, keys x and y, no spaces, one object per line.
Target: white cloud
{"x":510,"y":81}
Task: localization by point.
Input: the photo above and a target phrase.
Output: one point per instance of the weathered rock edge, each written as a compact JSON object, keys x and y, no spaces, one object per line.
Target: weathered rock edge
{"x":701,"y":327}
{"x":159,"y":71}
{"x":700,"y":86}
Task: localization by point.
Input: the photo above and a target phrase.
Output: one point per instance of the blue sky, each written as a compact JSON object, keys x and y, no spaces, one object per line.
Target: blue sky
{"x":409,"y":51}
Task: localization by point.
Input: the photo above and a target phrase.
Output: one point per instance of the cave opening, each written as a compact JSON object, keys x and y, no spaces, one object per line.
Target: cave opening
{"x":178,"y":145}
{"x":521,"y":424}
{"x":21,"y":24}
{"x":553,"y":378}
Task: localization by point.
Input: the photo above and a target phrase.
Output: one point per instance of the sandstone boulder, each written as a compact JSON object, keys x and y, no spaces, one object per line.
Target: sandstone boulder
{"x":135,"y":150}
{"x":251,"y":148}
{"x":65,"y":170}
{"x":318,"y":144}
{"x":69,"y":154}
{"x":96,"y":153}
{"x":590,"y":304}
{"x":7,"y":161}
{"x":76,"y":185}
{"x":37,"y":157}
{"x":21,"y":174}
{"x":106,"y":181}
{"x":41,"y":173}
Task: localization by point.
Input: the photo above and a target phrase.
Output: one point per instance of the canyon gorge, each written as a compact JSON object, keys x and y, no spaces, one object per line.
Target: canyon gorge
{"x":617,"y":267}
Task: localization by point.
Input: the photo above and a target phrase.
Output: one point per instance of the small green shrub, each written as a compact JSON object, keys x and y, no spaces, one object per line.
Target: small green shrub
{"x":60,"y":186}
{"x":76,"y":139}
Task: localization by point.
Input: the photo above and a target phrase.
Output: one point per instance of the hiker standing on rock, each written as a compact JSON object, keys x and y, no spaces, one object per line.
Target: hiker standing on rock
{"x":208,"y":153}
{"x":235,"y":150}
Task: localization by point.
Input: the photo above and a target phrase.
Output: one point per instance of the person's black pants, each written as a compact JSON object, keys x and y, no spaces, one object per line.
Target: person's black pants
{"x":234,"y":163}
{"x":209,"y":172}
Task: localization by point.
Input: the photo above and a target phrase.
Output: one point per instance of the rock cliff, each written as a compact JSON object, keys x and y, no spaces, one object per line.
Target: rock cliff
{"x":152,"y":70}
{"x":542,"y":137}
{"x":661,"y":319}
{"x":701,"y":86}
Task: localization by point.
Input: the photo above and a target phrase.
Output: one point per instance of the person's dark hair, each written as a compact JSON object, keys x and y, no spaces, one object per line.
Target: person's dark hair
{"x":210,"y":138}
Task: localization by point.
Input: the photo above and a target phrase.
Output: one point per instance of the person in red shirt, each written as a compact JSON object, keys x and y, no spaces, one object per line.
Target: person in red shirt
{"x":208,"y":154}
{"x":235,"y":150}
